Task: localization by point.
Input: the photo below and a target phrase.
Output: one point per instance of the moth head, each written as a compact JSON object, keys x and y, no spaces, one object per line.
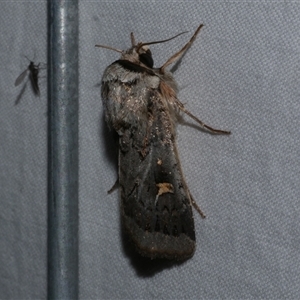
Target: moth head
{"x":145,"y":55}
{"x":140,"y":51}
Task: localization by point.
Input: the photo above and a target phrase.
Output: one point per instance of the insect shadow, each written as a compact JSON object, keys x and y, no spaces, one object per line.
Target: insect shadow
{"x":32,"y":74}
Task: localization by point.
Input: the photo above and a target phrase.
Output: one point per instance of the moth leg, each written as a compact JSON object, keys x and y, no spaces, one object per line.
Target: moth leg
{"x":198,"y":209}
{"x":177,"y":55}
{"x":202,"y":124}
{"x":114,"y":187}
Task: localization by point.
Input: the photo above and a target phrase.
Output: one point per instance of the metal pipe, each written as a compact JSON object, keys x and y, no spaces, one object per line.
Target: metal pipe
{"x":63,"y":149}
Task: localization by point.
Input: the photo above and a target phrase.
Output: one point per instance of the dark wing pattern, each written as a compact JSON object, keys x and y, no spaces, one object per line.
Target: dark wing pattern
{"x":156,"y":206}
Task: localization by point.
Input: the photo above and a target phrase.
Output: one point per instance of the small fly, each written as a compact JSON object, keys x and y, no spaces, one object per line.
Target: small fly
{"x":33,"y":77}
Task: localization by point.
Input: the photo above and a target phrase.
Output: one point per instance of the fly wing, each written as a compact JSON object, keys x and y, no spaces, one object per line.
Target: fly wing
{"x":156,"y":205}
{"x":21,"y":77}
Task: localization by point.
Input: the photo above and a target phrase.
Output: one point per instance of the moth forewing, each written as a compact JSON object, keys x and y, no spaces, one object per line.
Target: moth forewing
{"x":140,"y":103}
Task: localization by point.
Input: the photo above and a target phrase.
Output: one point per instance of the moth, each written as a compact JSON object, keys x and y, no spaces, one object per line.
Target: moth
{"x":141,"y":105}
{"x":33,"y":70}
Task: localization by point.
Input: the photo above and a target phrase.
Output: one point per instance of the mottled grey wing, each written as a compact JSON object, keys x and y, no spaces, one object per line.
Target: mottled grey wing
{"x":159,"y":221}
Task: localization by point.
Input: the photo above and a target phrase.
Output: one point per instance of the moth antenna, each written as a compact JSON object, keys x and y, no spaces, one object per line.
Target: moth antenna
{"x":133,"y":42}
{"x":159,"y":42}
{"x":177,"y":55}
{"x":110,"y":48}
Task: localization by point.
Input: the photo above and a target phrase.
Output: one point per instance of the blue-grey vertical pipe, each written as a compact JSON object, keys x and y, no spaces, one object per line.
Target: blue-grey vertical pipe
{"x":63,"y":149}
